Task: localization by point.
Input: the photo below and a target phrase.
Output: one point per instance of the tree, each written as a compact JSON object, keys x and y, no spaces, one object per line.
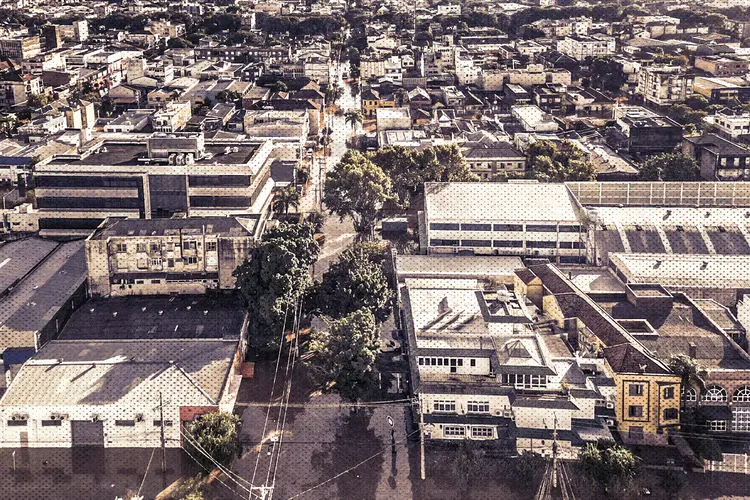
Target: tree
{"x":37,"y":101}
{"x":280,"y":86}
{"x":357,"y":188}
{"x":697,"y":102}
{"x":607,"y":74}
{"x":686,"y":115}
{"x":8,"y":124}
{"x":216,"y":435}
{"x":689,"y":371}
{"x":670,"y":167}
{"x":608,"y":464}
{"x":343,"y":359}
{"x":228,"y":96}
{"x":553,"y":162}
{"x":334,"y":93}
{"x":274,"y":277}
{"x":286,"y":198}
{"x":354,"y":117}
{"x":356,"y":281}
{"x":451,"y":165}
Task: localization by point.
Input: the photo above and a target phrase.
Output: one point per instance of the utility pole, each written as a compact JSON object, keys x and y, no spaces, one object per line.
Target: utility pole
{"x":421,"y":438}
{"x":554,"y":454}
{"x":163,"y":440}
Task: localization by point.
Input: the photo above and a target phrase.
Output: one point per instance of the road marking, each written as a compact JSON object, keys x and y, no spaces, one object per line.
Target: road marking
{"x":4,"y":262}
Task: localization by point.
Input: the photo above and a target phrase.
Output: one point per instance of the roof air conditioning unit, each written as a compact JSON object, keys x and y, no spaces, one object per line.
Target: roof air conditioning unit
{"x":610,"y":405}
{"x":610,"y":422}
{"x":95,"y":418}
{"x":139,"y":417}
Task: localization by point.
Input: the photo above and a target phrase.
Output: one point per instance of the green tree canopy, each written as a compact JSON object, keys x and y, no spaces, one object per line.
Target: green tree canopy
{"x":689,"y":371}
{"x":607,"y":74}
{"x":558,"y":162}
{"x":670,"y":167}
{"x":343,"y":359}
{"x":356,"y":281}
{"x":272,"y":279}
{"x":357,"y":188}
{"x":215,"y":434}
{"x":607,"y":464}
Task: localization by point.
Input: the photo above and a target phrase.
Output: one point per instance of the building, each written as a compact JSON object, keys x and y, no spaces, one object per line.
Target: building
{"x":665,"y":85}
{"x":730,"y":123}
{"x":486,"y":159}
{"x":172,"y":117}
{"x":534,"y":119}
{"x":153,"y":176}
{"x":646,"y":132}
{"x":722,"y":90}
{"x":168,"y":256}
{"x":244,"y":54}
{"x":15,"y":89}
{"x":372,"y":99}
{"x":486,"y":218}
{"x":20,"y":48}
{"x":103,"y":383}
{"x":42,"y":283}
{"x":719,"y":159}
{"x":478,"y":363}
{"x":646,"y":398}
{"x":722,"y":65}
{"x":581,"y":47}
{"x":391,"y":119}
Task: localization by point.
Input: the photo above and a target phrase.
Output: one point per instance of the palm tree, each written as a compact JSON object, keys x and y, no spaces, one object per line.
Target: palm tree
{"x":8,"y":124}
{"x":689,"y":371}
{"x":354,"y":117}
{"x":286,"y":198}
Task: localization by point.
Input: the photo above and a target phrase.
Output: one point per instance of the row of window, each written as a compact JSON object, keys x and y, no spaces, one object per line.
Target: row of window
{"x":186,"y":245}
{"x":460,"y":431}
{"x":530,"y":228}
{"x":525,"y":381}
{"x":716,"y":393}
{"x":58,"y":423}
{"x":444,"y":362}
{"x":636,"y":411}
{"x":637,"y":390}
{"x":506,"y":243}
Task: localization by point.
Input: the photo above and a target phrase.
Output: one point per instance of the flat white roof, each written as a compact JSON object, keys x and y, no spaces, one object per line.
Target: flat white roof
{"x":453,"y":266}
{"x":499,"y":201}
{"x":685,"y":270}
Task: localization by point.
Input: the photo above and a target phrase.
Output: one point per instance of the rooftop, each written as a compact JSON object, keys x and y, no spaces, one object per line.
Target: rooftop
{"x":156,"y":317}
{"x":499,"y":201}
{"x":115,"y":372}
{"x":685,"y":270}
{"x":439,"y":266}
{"x":225,"y":226}
{"x":18,"y":258}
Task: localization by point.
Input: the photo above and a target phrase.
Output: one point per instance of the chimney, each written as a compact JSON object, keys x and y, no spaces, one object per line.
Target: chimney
{"x":693,"y":350}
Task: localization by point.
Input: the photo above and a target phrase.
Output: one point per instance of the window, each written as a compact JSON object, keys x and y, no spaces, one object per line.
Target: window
{"x":155,"y":282}
{"x":156,"y":262}
{"x":507,"y":227}
{"x":541,"y":244}
{"x":478,"y":407}
{"x":482,"y":432}
{"x":472,"y":362}
{"x":635,"y":411}
{"x":140,"y":248}
{"x":454,"y":431}
{"x":188,"y":245}
{"x":167,"y":423}
{"x":741,"y":419}
{"x":17,"y":423}
{"x":122,"y":247}
{"x":125,"y":423}
{"x":460,"y":362}
{"x":742,"y":395}
{"x":508,"y":243}
{"x":51,"y":423}
{"x":476,"y":227}
{"x":635,"y":389}
{"x":154,"y":247}
{"x":540,"y":228}
{"x":476,"y":243}
{"x":671,"y":414}
{"x":635,"y":433}
{"x":420,"y":361}
{"x":210,"y":246}
{"x":453,"y":362}
{"x":689,"y":395}
{"x":716,"y":425}
{"x":444,"y":243}
{"x":440,"y":226}
{"x":714,"y":393}
{"x":190,"y":260}
{"x":669,"y":393}
{"x":444,"y":406}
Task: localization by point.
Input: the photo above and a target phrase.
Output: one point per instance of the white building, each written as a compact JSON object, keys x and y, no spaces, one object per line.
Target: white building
{"x":581,"y":47}
{"x":730,"y":123}
{"x":498,"y":218}
{"x":533,"y":119}
{"x":449,"y":9}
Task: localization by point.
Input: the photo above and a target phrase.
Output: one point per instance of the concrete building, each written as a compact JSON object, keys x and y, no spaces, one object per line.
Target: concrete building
{"x":647,"y":132}
{"x":161,"y":257}
{"x":581,"y":47}
{"x":665,"y":85}
{"x":489,"y":218}
{"x":730,"y":123}
{"x":534,"y":119}
{"x":153,"y":176}
{"x":489,"y":158}
{"x":20,"y":48}
{"x":719,"y":159}
{"x":173,"y":117}
{"x":722,"y":65}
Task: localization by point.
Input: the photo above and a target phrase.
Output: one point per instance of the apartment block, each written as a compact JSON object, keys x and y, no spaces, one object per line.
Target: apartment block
{"x":665,"y":85}
{"x":581,"y":47}
{"x":161,"y":257}
{"x":20,"y":48}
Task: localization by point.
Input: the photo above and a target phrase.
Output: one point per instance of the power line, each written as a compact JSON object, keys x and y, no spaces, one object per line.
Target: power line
{"x":145,"y":474}
{"x":218,"y":479}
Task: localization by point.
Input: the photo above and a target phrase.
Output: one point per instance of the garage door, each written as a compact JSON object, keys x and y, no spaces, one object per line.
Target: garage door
{"x":87,"y":433}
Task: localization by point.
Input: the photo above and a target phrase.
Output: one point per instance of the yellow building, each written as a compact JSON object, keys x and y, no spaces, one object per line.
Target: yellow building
{"x":372,"y":100}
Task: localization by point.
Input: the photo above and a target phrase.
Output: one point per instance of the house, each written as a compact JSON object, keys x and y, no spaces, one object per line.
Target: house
{"x":483,"y":218}
{"x":722,"y":65}
{"x":162,"y":257}
{"x":134,"y":120}
{"x":125,"y":97}
{"x":730,"y":123}
{"x":718,"y":158}
{"x":172,"y":117}
{"x":589,"y":102}
{"x":486,"y":159}
{"x":372,"y":99}
{"x":647,"y":132}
